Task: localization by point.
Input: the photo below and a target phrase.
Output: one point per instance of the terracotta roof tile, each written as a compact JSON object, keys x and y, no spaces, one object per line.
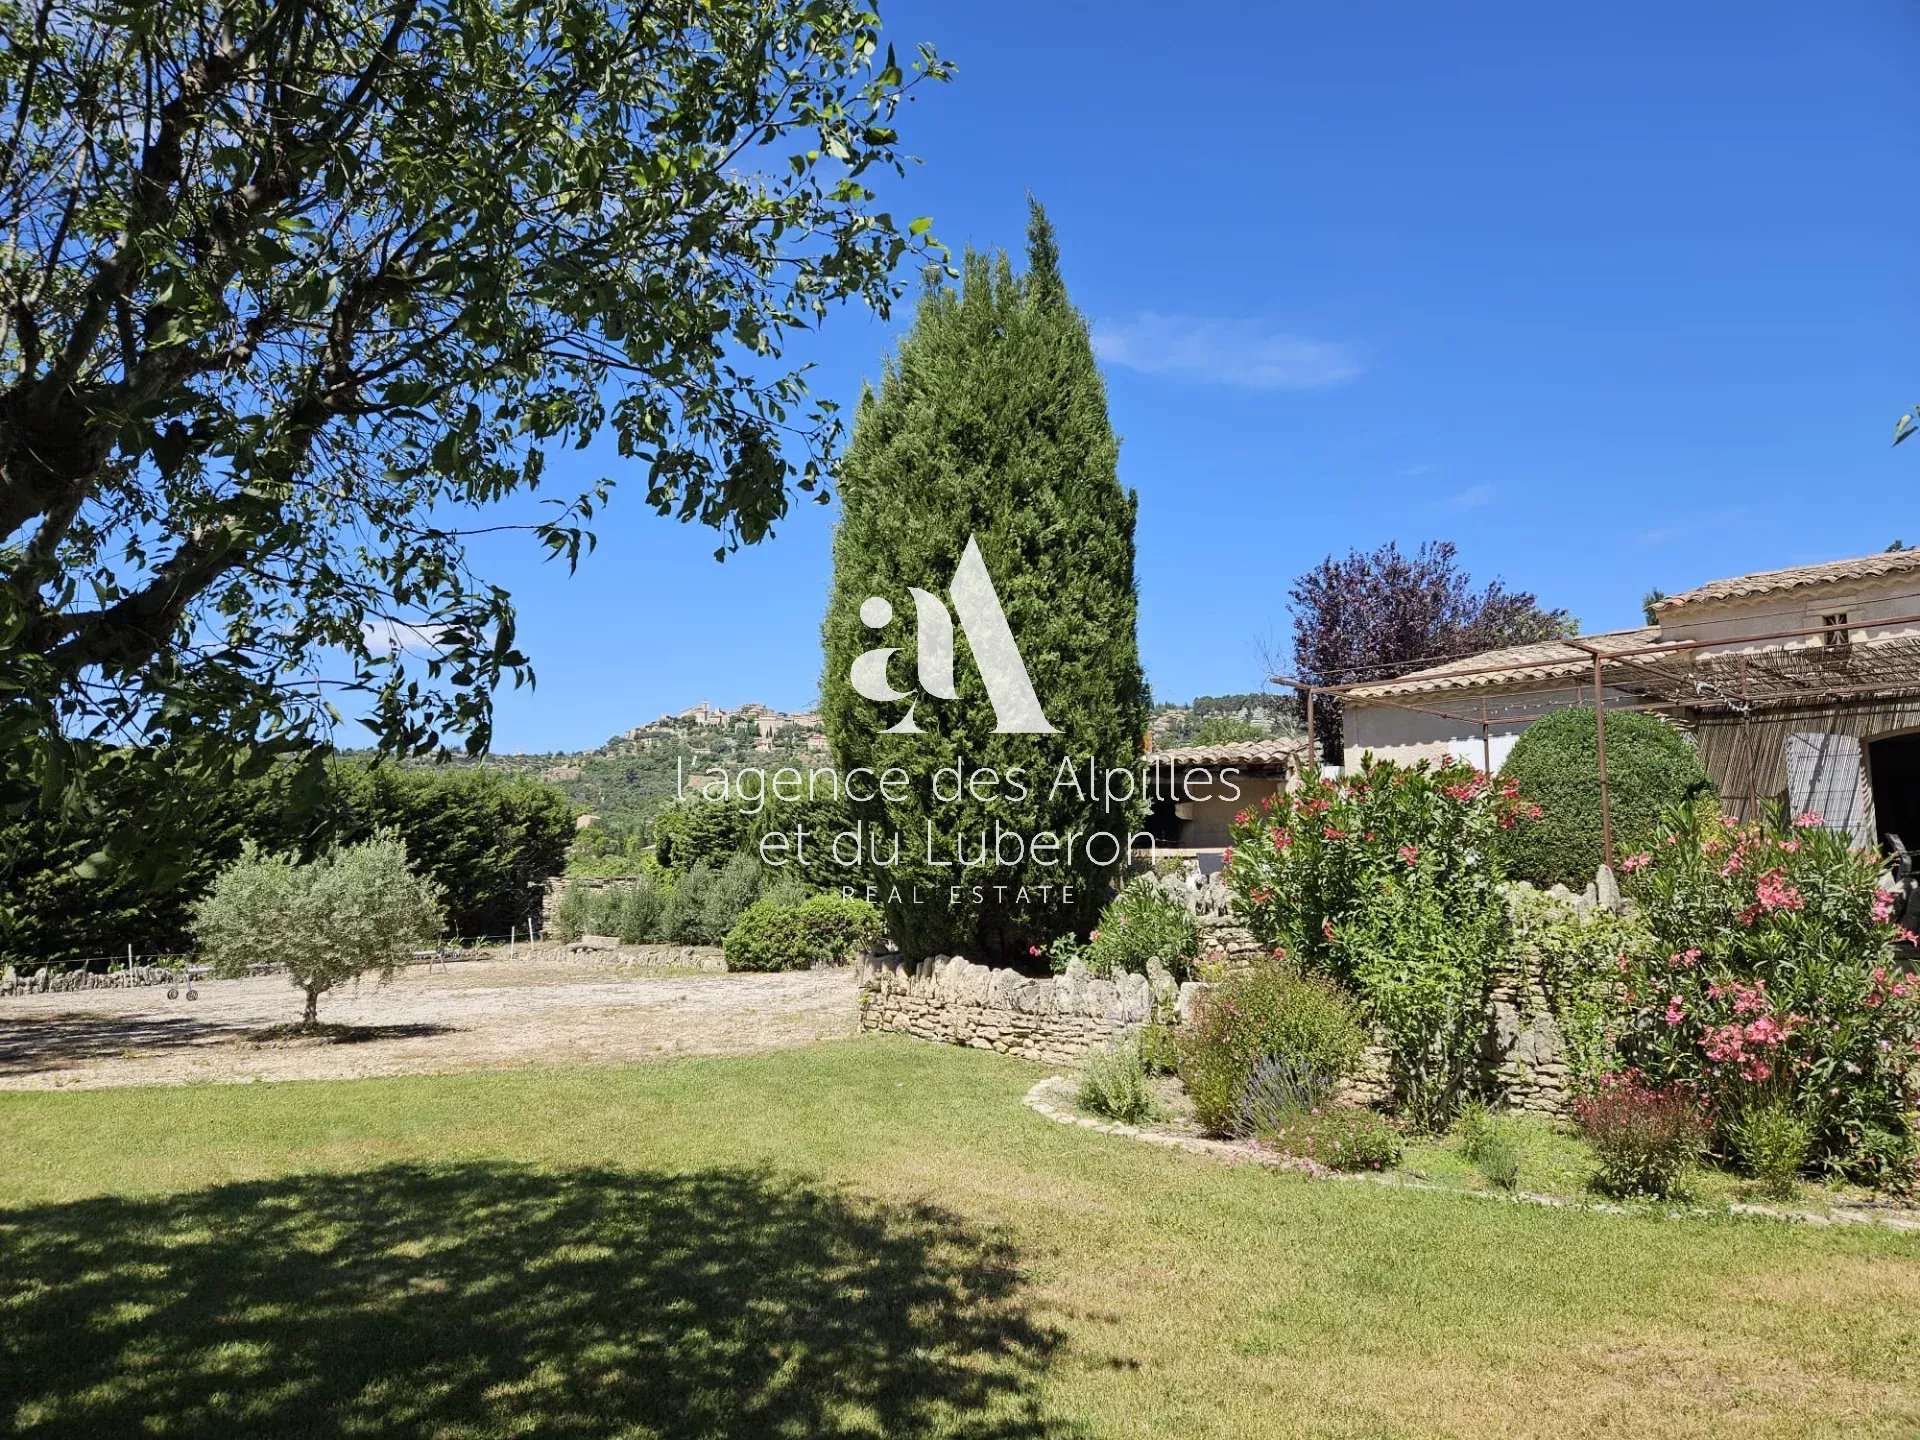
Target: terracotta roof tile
{"x":1239,"y":752}
{"x":1768,"y":582}
{"x":1514,"y":664}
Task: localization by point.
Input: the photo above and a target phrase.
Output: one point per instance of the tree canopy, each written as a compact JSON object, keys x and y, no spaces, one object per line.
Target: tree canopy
{"x":990,"y":426}
{"x":354,"y":911}
{"x":291,"y":289}
{"x":1377,"y":614}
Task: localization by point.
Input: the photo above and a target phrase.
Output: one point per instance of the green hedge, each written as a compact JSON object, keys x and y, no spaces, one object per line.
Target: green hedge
{"x":825,"y":930}
{"x":1555,"y":764}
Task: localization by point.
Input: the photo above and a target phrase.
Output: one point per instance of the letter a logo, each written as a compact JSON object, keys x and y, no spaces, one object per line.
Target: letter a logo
{"x":1016,"y":709}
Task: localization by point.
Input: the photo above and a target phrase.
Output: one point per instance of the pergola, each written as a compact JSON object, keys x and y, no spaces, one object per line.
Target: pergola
{"x":1694,"y":678}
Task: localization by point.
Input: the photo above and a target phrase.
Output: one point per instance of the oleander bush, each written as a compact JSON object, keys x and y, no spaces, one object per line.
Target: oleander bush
{"x":1145,"y":921}
{"x":1389,"y":880}
{"x":1274,"y":1012}
{"x":1769,"y":977}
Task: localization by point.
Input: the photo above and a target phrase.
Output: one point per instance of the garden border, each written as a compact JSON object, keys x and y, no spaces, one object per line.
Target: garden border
{"x":1052,"y":1099}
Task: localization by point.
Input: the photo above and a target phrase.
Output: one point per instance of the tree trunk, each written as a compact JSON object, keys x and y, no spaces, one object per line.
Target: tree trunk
{"x":312,"y":1017}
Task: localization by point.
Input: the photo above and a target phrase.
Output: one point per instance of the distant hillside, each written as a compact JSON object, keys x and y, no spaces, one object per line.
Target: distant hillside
{"x":1248,"y":716}
{"x":626,"y":781}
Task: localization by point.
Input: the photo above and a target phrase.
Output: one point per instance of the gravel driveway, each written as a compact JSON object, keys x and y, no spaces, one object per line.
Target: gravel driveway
{"x":471,"y":1015}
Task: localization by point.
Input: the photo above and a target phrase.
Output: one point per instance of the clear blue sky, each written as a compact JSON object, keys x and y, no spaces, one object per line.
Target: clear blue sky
{"x":1611,"y":296}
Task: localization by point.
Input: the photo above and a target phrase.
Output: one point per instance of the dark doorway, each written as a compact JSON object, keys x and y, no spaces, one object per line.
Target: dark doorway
{"x":1895,"y":766}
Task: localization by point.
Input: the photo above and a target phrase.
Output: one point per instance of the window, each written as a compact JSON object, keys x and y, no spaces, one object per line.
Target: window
{"x":1837,"y":632}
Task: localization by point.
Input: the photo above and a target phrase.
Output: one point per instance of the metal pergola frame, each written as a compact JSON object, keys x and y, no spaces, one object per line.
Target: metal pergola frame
{"x":1693,"y":677}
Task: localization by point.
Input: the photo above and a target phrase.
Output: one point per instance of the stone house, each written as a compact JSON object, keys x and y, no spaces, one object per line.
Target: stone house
{"x":1196,"y":790}
{"x":1800,"y":686}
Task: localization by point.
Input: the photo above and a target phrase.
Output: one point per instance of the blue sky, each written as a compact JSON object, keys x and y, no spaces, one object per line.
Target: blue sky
{"x":1612,"y":296}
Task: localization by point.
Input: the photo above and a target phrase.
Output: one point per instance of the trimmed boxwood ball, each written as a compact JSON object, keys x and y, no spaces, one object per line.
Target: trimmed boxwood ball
{"x":1650,"y":766}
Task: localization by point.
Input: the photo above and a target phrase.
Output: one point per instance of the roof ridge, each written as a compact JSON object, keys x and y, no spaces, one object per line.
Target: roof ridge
{"x":1793,"y":577}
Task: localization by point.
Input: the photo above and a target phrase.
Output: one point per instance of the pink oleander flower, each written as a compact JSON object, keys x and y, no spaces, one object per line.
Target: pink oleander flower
{"x":1093,"y":935}
{"x":1724,"y":1044}
{"x":1636,"y":862}
{"x":1409,"y":854}
{"x":1809,"y":820}
{"x":1333,"y":832}
{"x":1773,"y":892}
{"x":1033,"y":949}
{"x":1883,"y":903}
{"x":1675,"y":1011}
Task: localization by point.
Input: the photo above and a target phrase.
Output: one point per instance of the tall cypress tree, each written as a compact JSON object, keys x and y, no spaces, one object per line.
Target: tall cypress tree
{"x":991,"y":422}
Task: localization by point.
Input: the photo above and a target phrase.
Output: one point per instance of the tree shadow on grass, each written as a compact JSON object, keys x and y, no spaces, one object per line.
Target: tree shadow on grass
{"x":323,"y":1032}
{"x":493,"y":1299}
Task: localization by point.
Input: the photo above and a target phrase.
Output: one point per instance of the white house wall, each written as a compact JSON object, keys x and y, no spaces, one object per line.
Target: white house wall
{"x":1866,"y":604}
{"x":1408,"y":736}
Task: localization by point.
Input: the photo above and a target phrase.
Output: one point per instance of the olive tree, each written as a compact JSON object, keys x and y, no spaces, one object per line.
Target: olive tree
{"x":291,"y":289}
{"x":356,"y":911}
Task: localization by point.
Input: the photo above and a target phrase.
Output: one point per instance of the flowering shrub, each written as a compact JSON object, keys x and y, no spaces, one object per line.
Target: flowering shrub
{"x":1769,"y":977}
{"x":1145,"y":921}
{"x":1645,"y":1136}
{"x":1272,"y":1013}
{"x":1277,"y":1088}
{"x":1388,"y":879}
{"x":1340,"y":1137}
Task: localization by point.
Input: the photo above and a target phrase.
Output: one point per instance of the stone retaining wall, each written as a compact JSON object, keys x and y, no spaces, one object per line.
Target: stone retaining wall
{"x":46,"y":979}
{"x":650,"y":956}
{"x":1059,"y":1019}
{"x":1056,"y":1020}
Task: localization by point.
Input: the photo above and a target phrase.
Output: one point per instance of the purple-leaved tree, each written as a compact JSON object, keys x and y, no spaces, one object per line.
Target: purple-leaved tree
{"x":1374,"y":615}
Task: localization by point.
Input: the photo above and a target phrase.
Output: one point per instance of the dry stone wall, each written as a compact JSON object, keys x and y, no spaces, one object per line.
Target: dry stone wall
{"x":46,"y":979}
{"x":1056,"y":1019}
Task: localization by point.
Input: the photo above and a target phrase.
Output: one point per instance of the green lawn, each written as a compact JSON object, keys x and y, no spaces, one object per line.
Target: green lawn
{"x":875,"y":1239}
